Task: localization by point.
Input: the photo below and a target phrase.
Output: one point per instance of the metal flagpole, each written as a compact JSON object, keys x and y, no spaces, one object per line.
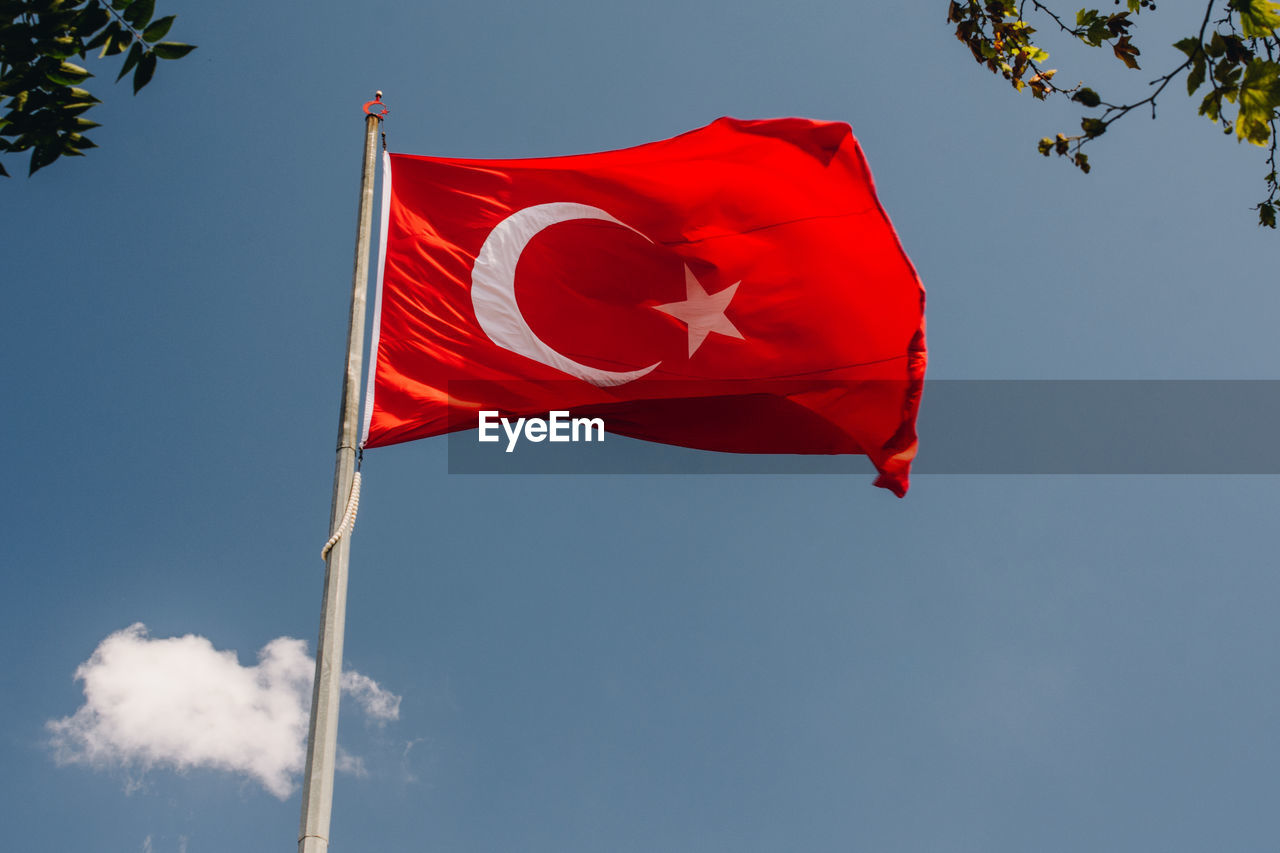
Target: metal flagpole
{"x":322,"y":737}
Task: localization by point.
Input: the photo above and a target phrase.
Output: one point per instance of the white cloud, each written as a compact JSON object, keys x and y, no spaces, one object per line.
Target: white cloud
{"x":148,"y":848}
{"x":178,"y":702}
{"x":352,"y":764}
{"x":381,"y":705}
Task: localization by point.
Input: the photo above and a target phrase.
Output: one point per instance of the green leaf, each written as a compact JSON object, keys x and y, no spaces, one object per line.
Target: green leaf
{"x":1210,"y":106}
{"x":92,"y":19}
{"x":102,"y":37}
{"x":1196,"y":77}
{"x":117,"y":43}
{"x":135,"y":53}
{"x":139,"y":12}
{"x":68,"y":74}
{"x":42,"y":156}
{"x":4,"y":173}
{"x":172,"y":49}
{"x":1088,"y":97}
{"x":1228,"y":76}
{"x":119,"y":5}
{"x":158,"y":28}
{"x":146,"y":68}
{"x":1098,"y":32}
{"x":1035,"y":54}
{"x":83,"y":95}
{"x":1267,"y":214}
{"x":1259,"y":97}
{"x":61,"y":47}
{"x":1190,"y":46}
{"x":1093,"y":127}
{"x":1258,"y":18}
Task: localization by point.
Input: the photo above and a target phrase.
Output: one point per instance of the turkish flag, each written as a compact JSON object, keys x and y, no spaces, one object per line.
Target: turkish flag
{"x":736,"y":288}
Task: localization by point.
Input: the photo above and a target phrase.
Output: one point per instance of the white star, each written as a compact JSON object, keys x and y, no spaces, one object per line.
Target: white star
{"x":702,"y":312}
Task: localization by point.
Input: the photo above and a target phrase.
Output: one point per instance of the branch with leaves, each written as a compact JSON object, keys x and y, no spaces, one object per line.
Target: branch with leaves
{"x":1235,"y":52}
{"x":41,"y":96}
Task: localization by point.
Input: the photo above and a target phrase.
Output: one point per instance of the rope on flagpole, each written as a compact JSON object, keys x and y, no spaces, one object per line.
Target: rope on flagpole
{"x":348,"y":517}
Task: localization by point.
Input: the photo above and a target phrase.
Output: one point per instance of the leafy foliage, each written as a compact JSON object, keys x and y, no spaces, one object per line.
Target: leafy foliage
{"x":41,"y":97}
{"x":1235,"y":53}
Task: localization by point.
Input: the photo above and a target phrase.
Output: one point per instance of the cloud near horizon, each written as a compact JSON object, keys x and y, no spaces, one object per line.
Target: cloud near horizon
{"x":178,"y":702}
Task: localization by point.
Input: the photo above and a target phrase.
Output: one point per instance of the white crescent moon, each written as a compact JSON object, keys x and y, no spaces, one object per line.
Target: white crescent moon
{"x":493,"y":290}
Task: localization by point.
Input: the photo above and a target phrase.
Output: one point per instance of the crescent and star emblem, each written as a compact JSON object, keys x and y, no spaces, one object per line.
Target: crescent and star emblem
{"x":493,"y":295}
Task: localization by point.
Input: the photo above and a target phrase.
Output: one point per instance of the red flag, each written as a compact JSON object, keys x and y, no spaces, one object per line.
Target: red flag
{"x":735,"y":288}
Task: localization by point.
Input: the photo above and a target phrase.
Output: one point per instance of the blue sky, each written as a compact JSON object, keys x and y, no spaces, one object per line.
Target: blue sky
{"x":632,"y":663}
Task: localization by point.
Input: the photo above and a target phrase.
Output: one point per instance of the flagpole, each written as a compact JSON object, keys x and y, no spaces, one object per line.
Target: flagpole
{"x":322,"y":736}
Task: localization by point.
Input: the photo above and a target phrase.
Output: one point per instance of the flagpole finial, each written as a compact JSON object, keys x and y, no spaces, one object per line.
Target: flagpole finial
{"x":372,"y":107}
